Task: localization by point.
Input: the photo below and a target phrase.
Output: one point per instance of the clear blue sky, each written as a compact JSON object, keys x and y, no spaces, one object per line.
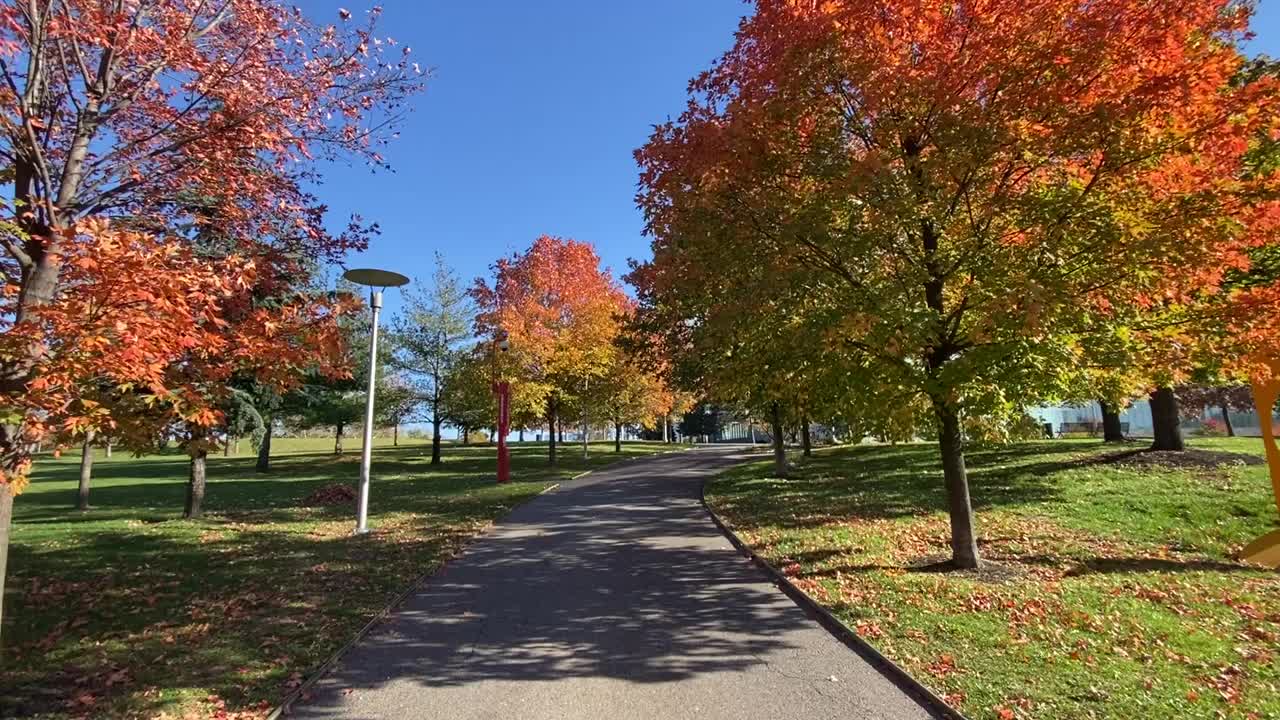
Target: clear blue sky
{"x":529,"y":122}
{"x":527,"y":126}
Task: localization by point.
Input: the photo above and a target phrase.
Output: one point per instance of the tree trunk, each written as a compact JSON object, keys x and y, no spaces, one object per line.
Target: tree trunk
{"x":964,"y":542}
{"x":779,"y":448}
{"x":264,"y":450}
{"x":435,"y":440}
{"x":226,"y":447}
{"x":86,"y":471}
{"x":1226,"y":420}
{"x":337,"y":438}
{"x":1165,"y":421}
{"x":1111,"y":429}
{"x":666,"y":428}
{"x":195,"y":485}
{"x":466,"y":436}
{"x":6,"y":516}
{"x":521,"y":439}
{"x":805,"y":440}
{"x":108,"y":448}
{"x":617,"y":437}
{"x":551,"y":426}
{"x":395,"y":436}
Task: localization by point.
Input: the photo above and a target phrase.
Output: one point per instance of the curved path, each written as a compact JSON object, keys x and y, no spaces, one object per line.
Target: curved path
{"x":614,"y":597}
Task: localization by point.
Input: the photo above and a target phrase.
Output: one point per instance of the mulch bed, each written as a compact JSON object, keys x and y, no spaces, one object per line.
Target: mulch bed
{"x":329,"y":495}
{"x":1189,"y":459}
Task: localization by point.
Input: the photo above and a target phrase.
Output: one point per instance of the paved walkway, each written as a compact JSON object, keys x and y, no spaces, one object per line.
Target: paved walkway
{"x":614,"y":597}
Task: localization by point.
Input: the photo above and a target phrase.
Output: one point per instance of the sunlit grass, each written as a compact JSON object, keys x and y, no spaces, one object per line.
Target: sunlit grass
{"x":130,"y":611}
{"x":1114,"y":593}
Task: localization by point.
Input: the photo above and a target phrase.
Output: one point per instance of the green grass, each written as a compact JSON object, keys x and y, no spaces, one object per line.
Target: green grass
{"x":129,"y":611}
{"x":1114,"y":592}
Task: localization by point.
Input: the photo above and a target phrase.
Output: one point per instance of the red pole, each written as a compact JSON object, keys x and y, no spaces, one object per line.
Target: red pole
{"x":503,"y":390}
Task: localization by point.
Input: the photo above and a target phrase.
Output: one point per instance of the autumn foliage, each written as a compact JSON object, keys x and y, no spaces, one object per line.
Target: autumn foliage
{"x":961,"y":203}
{"x":561,"y":313}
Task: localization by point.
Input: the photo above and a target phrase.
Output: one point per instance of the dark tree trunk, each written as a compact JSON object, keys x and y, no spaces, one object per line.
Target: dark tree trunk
{"x":264,"y":450}
{"x":779,"y":448}
{"x":395,"y":436}
{"x":521,"y":438}
{"x":1165,"y":421}
{"x":226,"y":446}
{"x":86,"y":471}
{"x":617,"y":437}
{"x":337,"y":438}
{"x":195,"y":485}
{"x":964,"y":542}
{"x":1111,"y":429}
{"x":805,"y":440}
{"x":466,"y":436}
{"x":435,"y":440}
{"x":1226,"y":420}
{"x":551,"y":427}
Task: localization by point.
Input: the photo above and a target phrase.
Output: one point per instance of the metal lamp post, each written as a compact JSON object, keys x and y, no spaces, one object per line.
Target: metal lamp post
{"x":376,"y":281}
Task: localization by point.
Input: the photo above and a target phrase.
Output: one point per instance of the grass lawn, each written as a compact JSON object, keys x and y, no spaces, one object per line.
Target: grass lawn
{"x":1113,"y":593}
{"x":130,"y":611}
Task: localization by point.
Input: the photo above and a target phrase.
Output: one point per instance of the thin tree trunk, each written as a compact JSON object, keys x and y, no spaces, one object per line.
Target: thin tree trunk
{"x":237,"y":447}
{"x":779,"y":448}
{"x":1226,"y":420}
{"x":395,"y":436}
{"x":195,"y":485}
{"x":1112,"y":431}
{"x":521,"y":440}
{"x":466,"y":436}
{"x":337,"y":438}
{"x":617,"y":437}
{"x":805,"y":440}
{"x":666,"y":428}
{"x":551,"y":425}
{"x":108,"y":448}
{"x":226,"y":447}
{"x":435,"y":440}
{"x":1165,"y":421}
{"x":264,"y":450}
{"x":86,"y":471}
{"x":6,"y":517}
{"x":964,"y":543}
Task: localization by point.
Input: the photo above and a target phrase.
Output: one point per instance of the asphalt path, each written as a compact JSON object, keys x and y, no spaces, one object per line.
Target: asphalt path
{"x":613,"y":597}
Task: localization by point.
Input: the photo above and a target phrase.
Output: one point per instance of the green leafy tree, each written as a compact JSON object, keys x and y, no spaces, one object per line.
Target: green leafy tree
{"x":430,"y":334}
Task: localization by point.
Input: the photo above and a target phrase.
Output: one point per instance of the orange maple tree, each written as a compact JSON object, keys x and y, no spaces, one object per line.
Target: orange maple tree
{"x":561,"y":313}
{"x":177,"y":119}
{"x":951,"y":200}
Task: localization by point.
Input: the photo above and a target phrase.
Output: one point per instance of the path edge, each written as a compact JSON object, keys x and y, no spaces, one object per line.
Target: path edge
{"x":886,"y":667}
{"x":282,"y":709}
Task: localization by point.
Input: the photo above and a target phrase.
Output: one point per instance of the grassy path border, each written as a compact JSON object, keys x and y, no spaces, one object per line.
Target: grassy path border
{"x":891,"y":670}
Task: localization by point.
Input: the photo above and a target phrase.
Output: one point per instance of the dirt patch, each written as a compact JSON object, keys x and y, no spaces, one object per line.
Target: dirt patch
{"x":329,"y":495}
{"x":1190,"y":459}
{"x":989,"y":572}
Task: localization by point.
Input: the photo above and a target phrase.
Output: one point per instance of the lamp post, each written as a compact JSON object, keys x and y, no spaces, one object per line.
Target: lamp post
{"x":502,"y":389}
{"x":376,"y":281}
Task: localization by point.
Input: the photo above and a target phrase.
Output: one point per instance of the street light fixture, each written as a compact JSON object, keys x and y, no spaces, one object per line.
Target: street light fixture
{"x":377,"y":281}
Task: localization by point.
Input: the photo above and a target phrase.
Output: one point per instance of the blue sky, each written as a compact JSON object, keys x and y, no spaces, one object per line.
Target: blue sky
{"x":529,"y":122}
{"x":527,"y":126}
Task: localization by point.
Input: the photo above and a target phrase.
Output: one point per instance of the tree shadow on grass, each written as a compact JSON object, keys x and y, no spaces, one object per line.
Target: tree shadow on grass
{"x":887,"y":482}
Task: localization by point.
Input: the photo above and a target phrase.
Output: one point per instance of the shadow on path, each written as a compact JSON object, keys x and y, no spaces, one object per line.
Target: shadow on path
{"x":615,"y":596}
